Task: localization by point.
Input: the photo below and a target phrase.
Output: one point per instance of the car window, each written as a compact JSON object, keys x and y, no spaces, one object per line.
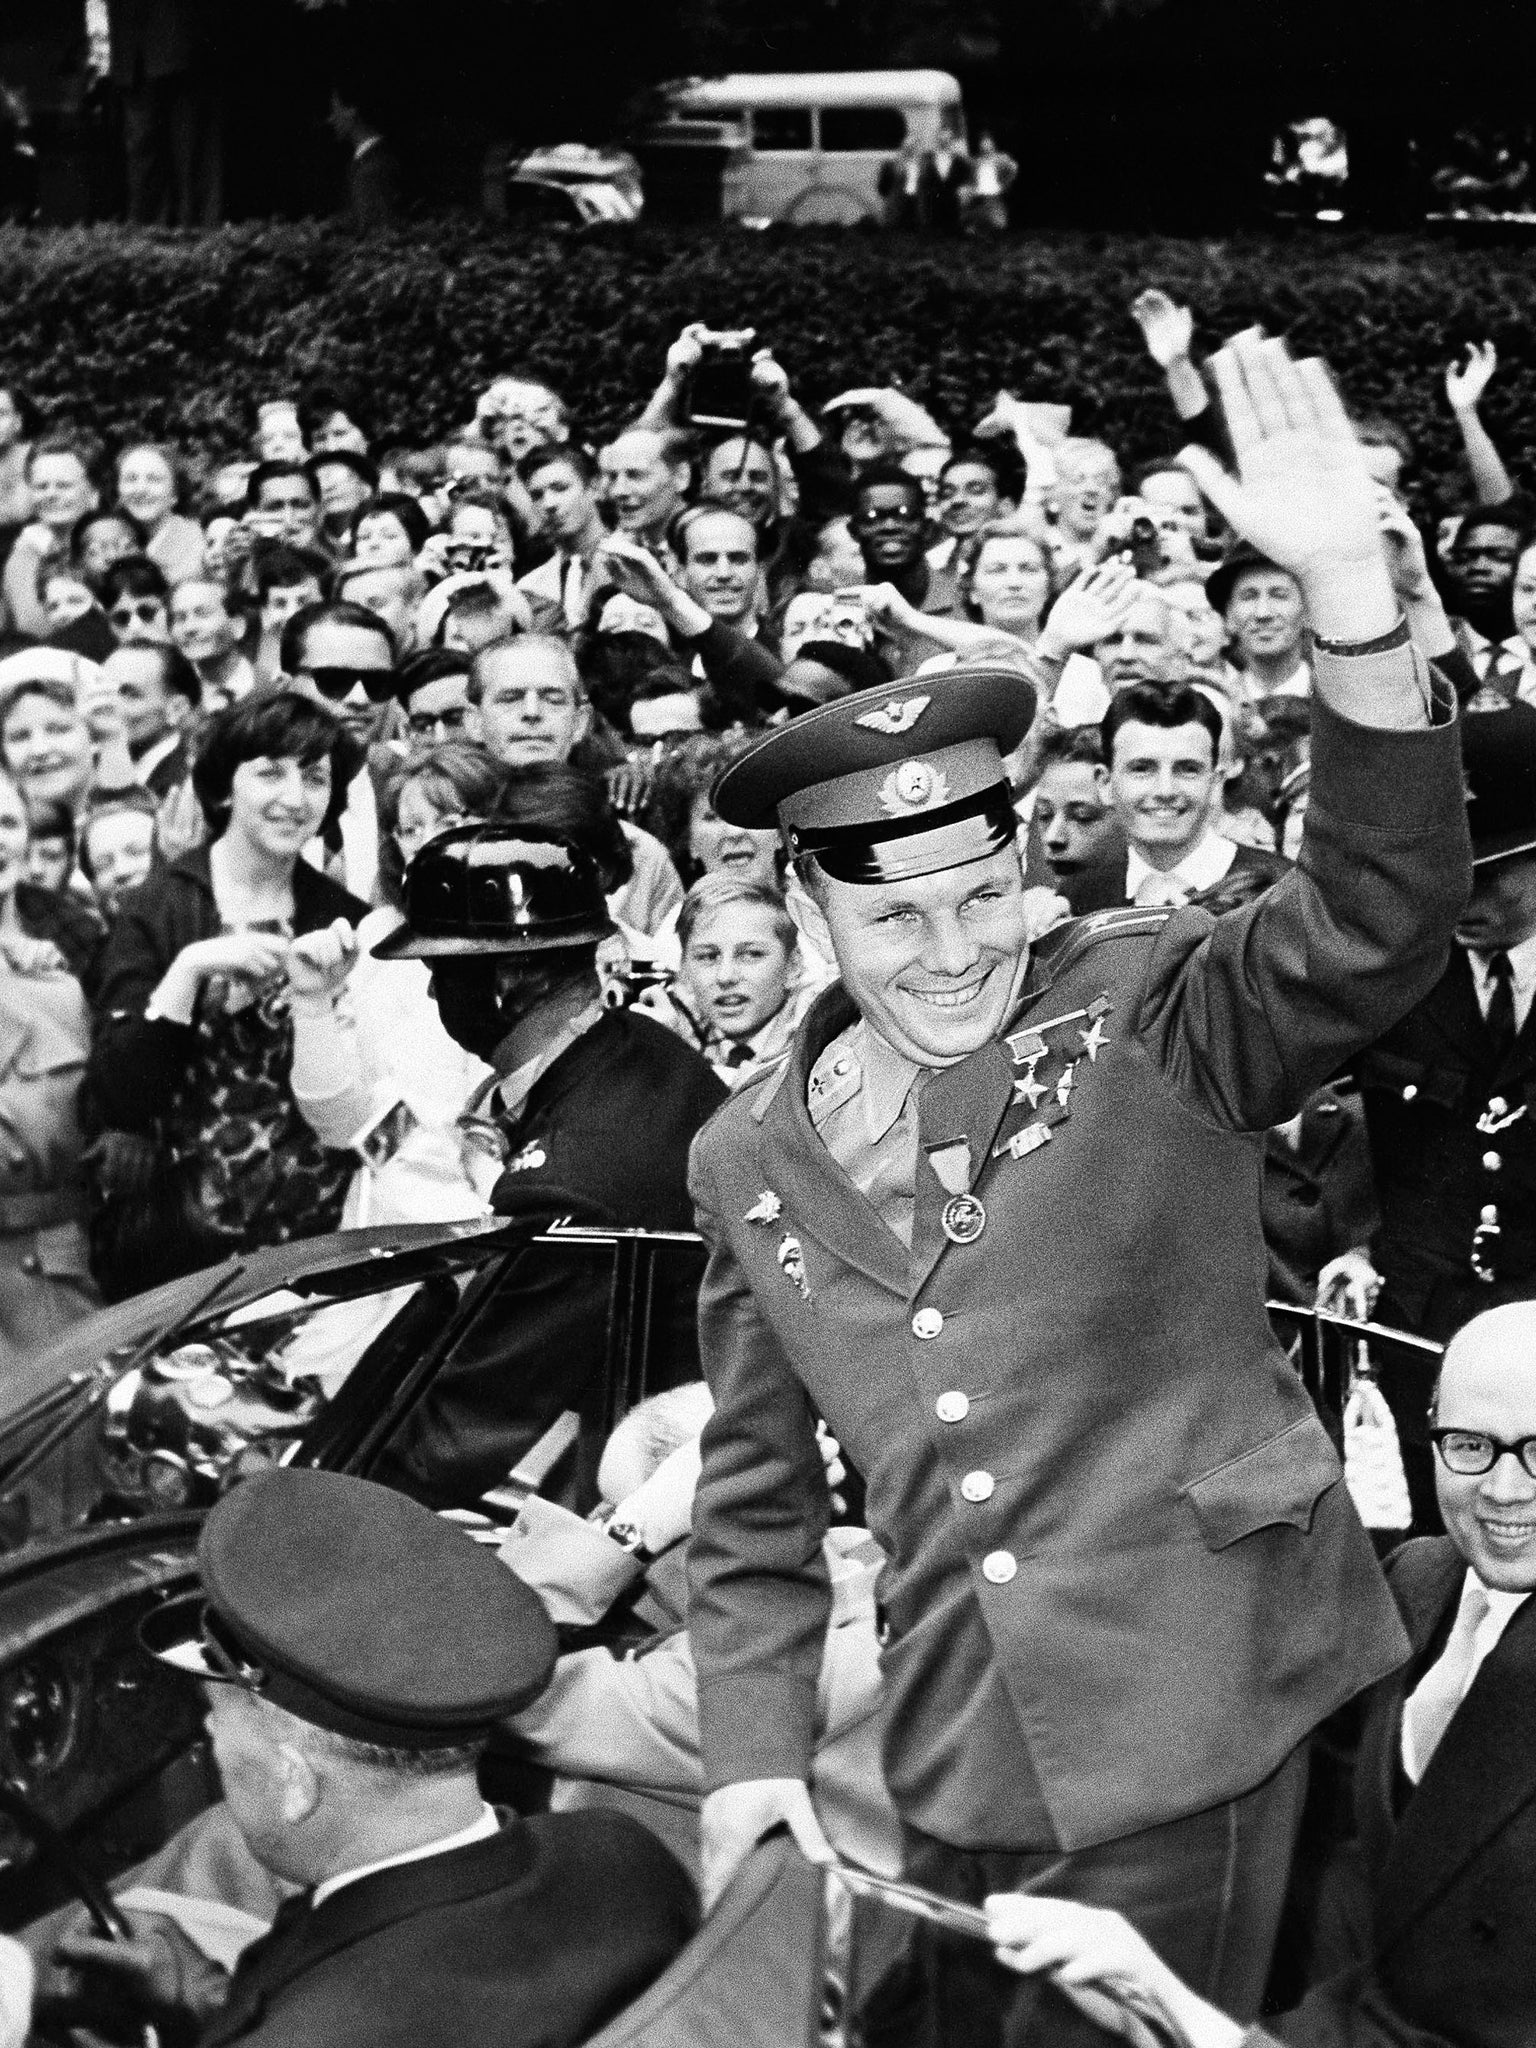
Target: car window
{"x":781,"y":128}
{"x":869,"y":128}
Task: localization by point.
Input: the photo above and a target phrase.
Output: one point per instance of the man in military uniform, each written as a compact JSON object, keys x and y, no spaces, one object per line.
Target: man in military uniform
{"x":1450,"y":1104}
{"x":357,"y":1652}
{"x":997,"y":1221}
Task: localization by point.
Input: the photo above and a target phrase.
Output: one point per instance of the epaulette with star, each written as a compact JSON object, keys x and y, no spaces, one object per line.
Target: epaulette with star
{"x":1063,"y":946}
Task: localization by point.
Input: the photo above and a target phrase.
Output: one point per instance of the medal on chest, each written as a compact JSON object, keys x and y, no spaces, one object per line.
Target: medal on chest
{"x":1049,"y":1058}
{"x":964,"y":1216}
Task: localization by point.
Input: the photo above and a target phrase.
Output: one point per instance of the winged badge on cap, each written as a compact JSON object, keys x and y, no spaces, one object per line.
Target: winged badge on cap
{"x":896,"y":717}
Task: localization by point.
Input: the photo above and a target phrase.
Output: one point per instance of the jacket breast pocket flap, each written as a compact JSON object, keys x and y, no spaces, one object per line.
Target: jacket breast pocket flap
{"x":1281,"y":1480}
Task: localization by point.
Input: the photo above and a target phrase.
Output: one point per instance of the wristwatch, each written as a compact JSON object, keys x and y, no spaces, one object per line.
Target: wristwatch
{"x":629,"y":1536}
{"x":1383,"y":643}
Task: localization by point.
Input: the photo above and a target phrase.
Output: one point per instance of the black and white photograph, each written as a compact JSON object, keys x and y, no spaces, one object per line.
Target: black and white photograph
{"x":767,"y":1062}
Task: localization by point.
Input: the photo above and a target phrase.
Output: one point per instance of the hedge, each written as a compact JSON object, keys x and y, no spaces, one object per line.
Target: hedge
{"x":145,"y":332}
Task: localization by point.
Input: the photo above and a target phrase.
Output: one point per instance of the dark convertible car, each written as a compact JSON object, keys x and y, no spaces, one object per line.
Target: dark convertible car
{"x":115,"y":1441}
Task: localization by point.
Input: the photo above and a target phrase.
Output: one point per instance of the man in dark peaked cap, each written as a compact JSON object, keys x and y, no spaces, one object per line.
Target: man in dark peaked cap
{"x":356,"y":1652}
{"x":997,"y":1222}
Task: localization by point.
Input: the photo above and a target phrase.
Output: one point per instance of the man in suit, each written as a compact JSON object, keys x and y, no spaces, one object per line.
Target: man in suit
{"x":997,"y":1221}
{"x":356,"y":1652}
{"x":1434,"y":1927}
{"x":1162,"y":779}
{"x":561,"y":479}
{"x":592,"y":1110}
{"x":1450,"y":1101}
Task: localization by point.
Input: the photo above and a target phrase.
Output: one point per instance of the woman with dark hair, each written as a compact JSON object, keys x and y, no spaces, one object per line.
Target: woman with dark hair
{"x":389,"y":532}
{"x":194,"y":1035}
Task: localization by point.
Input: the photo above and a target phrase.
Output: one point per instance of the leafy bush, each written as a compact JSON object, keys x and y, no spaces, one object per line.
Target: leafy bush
{"x":142,"y":332}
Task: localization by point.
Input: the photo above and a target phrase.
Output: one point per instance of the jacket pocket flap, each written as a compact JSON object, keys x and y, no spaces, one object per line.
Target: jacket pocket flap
{"x":1281,"y":1480}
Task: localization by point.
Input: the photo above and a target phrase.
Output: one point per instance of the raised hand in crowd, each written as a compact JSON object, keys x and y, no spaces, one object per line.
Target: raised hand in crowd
{"x":1467,"y":380}
{"x":1091,"y":607}
{"x":1167,"y":329}
{"x":1302,"y":493}
{"x":319,"y":962}
{"x":632,"y":569}
{"x":1465,"y":384}
{"x":1169,"y":333}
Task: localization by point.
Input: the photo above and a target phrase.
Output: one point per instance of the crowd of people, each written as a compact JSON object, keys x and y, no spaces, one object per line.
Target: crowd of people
{"x":394,"y":832}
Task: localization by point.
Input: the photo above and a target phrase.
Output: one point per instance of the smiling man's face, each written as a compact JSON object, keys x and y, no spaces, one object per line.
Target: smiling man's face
{"x":1488,"y":1387}
{"x":934,"y":963}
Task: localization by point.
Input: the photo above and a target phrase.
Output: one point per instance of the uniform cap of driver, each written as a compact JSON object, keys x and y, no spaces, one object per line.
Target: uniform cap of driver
{"x":358,"y":1610}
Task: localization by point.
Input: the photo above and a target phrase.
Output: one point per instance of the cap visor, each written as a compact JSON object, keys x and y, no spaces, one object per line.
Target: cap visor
{"x":404,"y":944}
{"x":173,"y":1636}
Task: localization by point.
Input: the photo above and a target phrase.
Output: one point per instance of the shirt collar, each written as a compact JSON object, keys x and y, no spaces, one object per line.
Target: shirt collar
{"x":1522,"y":960}
{"x":1201,"y":868}
{"x":888,"y":1078}
{"x":479,"y":1830}
{"x":1502,"y":1608}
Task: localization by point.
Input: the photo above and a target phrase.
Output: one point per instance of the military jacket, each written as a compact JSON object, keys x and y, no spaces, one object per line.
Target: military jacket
{"x":1075,"y":1419}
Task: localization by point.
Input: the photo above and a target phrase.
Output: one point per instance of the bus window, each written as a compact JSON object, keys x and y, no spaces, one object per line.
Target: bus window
{"x":868,"y":128}
{"x":781,"y":128}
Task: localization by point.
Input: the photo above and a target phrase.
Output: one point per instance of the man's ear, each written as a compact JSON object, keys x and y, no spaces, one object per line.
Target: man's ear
{"x":810,"y":919}
{"x":474,"y":724}
{"x":583,"y":723}
{"x":298,"y":1784}
{"x":1101,"y":782}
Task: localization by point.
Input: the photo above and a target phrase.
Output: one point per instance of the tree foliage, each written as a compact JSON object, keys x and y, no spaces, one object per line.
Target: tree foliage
{"x":129,"y":333}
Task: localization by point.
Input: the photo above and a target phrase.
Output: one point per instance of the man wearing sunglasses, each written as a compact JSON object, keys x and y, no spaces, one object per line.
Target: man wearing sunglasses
{"x":355,"y":1653}
{"x":343,"y":656}
{"x":1429,"y":1933}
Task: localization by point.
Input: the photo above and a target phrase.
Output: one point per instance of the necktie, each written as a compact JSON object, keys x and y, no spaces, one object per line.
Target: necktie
{"x":1443,"y":1687}
{"x":1500,"y":1014}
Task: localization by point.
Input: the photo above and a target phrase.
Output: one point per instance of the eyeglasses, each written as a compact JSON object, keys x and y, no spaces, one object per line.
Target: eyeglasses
{"x":1471,"y":1452}
{"x":424,"y":725}
{"x":336,"y":683}
{"x":144,"y":611}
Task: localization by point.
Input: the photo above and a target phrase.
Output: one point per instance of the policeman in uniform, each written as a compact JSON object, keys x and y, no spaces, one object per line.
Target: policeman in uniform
{"x":1450,"y":1103}
{"x":593,"y":1110}
{"x":356,"y":1652}
{"x":997,"y":1222}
